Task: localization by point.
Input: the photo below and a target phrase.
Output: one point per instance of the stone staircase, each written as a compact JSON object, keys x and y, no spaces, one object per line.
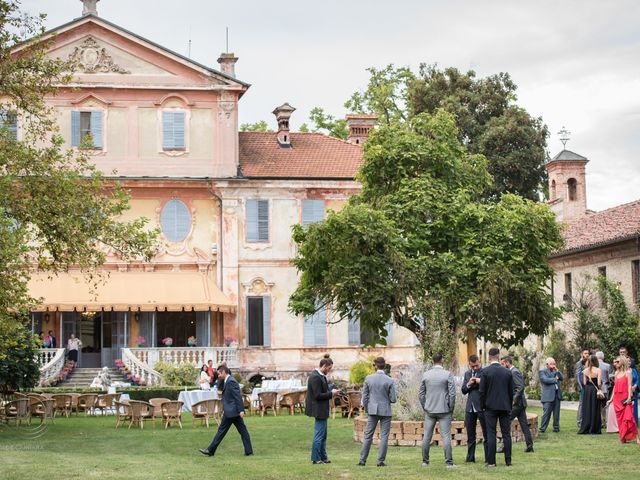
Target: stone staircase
{"x":82,"y":377}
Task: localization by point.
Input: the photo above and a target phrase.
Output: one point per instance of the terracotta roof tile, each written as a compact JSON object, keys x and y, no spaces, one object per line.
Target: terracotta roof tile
{"x":312,"y":155}
{"x":601,"y":228}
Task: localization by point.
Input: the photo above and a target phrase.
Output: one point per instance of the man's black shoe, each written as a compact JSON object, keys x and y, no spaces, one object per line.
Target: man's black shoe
{"x":205,"y":452}
{"x":326,"y":461}
{"x":248,"y":454}
{"x":361,"y":464}
{"x":381,"y":464}
{"x":529,"y":449}
{"x":509,"y":464}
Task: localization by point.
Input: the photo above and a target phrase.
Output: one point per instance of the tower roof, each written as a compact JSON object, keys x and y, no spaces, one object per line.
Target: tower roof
{"x":569,"y":155}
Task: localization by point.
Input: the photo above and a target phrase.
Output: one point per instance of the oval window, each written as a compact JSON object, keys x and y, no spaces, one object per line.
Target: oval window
{"x":175,"y":221}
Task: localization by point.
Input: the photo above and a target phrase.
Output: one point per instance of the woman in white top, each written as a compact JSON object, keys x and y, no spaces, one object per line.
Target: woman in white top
{"x":72,"y":347}
{"x":204,"y":379}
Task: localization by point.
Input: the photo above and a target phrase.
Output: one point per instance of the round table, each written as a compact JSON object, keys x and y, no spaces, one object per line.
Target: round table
{"x":190,"y":397}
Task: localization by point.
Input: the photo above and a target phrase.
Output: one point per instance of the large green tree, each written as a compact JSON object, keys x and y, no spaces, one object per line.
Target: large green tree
{"x":56,"y":209}
{"x":422,"y":245}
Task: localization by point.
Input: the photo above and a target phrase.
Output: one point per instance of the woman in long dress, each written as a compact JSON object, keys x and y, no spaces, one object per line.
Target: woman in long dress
{"x":591,"y":404}
{"x":622,"y":401}
{"x":72,"y":347}
{"x":203,"y":380}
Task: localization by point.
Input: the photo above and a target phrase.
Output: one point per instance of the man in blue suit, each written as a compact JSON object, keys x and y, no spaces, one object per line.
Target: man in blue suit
{"x":233,"y":407}
{"x":551,"y":395}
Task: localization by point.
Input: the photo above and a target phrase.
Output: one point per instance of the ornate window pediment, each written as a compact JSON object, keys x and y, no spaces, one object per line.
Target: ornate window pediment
{"x":258,"y":286}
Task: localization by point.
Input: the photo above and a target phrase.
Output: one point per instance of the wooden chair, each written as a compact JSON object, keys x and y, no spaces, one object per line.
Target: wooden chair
{"x":63,"y":403}
{"x":204,"y":410}
{"x":268,"y":400}
{"x":105,"y":402}
{"x":19,"y":395}
{"x":18,"y":411}
{"x":140,"y":412}
{"x":87,"y":403}
{"x":157,"y":406}
{"x":248,"y":404}
{"x":355,"y":403}
{"x":123,"y":412}
{"x":289,"y":401}
{"x":42,"y":409}
{"x":172,"y":412}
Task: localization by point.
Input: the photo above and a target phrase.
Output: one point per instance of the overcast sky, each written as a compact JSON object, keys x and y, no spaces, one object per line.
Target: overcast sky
{"x":576,"y":62}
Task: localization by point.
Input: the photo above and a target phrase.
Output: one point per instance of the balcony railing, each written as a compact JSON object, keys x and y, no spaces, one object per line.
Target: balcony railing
{"x":51,"y":361}
{"x":196,"y":356}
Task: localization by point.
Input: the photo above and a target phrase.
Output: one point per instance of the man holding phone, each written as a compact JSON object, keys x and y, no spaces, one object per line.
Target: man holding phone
{"x":473,"y":413}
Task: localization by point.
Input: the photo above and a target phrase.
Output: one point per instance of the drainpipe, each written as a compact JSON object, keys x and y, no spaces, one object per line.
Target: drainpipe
{"x":220,"y":230}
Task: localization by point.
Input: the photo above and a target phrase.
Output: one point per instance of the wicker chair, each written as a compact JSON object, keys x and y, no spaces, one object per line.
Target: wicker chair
{"x":157,"y":406}
{"x":204,"y":410}
{"x":43,"y":409}
{"x":105,"y":402}
{"x":123,"y":413}
{"x":268,"y":400}
{"x":140,"y":412}
{"x":87,"y":403}
{"x":289,"y":400}
{"x":302,"y":399}
{"x":248,"y":404}
{"x":19,"y":395}
{"x":74,"y":402}
{"x":172,"y":412}
{"x":63,"y":403}
{"x":355,"y":403}
{"x":340,"y":404}
{"x":18,"y":411}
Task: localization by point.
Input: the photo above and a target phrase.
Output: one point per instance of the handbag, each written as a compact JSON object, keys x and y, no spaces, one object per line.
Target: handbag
{"x":599,"y":393}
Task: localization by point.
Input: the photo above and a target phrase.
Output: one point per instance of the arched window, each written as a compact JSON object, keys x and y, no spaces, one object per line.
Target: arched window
{"x":553,"y":190}
{"x":572,"y":185}
{"x":175,"y":221}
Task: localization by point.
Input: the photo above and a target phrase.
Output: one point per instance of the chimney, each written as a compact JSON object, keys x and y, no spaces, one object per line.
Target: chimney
{"x":283,"y":114}
{"x":89,"y":7}
{"x":227,"y":63}
{"x":359,"y":126}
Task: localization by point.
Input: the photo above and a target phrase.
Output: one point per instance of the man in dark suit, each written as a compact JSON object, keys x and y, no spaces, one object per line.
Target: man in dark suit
{"x":473,"y":412}
{"x":54,"y":342}
{"x":496,"y":397}
{"x":519,"y":409}
{"x":551,"y":395}
{"x":233,"y":408}
{"x":318,"y":406}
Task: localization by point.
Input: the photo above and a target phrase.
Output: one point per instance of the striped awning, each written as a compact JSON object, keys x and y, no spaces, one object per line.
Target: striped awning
{"x":122,"y":291}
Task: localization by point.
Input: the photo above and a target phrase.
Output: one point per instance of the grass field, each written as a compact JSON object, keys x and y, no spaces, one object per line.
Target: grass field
{"x":82,"y":447}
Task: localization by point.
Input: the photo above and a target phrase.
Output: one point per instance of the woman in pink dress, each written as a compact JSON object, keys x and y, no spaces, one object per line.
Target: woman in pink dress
{"x":623,"y":403}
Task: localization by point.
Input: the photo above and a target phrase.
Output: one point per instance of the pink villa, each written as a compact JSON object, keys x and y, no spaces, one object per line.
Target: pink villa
{"x":224,"y":201}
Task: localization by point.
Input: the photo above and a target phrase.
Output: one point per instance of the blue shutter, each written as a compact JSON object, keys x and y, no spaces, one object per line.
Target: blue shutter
{"x":251,"y":223}
{"x":312,"y":211}
{"x":354,"y":331}
{"x":167,"y":130}
{"x":178,"y":130}
{"x":96,"y":129}
{"x":175,"y":221}
{"x":263,"y":220}
{"x":75,"y":128}
{"x":389,"y":336}
{"x":315,"y":329}
{"x":266,"y":320}
{"x":9,"y":120}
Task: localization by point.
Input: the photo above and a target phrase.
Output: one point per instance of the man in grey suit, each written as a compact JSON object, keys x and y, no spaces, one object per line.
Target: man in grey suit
{"x":438,"y":397}
{"x":519,"y":409}
{"x":607,"y":373}
{"x":584,"y":356}
{"x":551,"y":395}
{"x":378,"y":394}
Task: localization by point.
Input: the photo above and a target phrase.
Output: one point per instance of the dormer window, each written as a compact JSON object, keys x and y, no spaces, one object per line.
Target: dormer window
{"x":87,"y":129}
{"x":173,"y":131}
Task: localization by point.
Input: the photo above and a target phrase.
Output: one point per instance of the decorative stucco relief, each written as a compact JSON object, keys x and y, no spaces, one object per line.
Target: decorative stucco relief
{"x":257,"y":286}
{"x":90,"y":57}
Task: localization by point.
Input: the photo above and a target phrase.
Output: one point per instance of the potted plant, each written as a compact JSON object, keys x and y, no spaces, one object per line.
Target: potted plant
{"x":140,"y":341}
{"x":167,"y":342}
{"x":192,"y":341}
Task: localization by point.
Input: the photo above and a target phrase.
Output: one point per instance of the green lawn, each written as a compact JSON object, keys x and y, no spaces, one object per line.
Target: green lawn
{"x":83,"y":447}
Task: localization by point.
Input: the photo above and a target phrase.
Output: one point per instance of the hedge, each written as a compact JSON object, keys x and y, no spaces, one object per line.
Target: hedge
{"x":135,"y":393}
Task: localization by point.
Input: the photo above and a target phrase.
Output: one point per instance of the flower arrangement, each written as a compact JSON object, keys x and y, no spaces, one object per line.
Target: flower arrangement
{"x":66,"y":370}
{"x":140,"y":341}
{"x":228,"y":341}
{"x":167,"y":342}
{"x":192,"y":341}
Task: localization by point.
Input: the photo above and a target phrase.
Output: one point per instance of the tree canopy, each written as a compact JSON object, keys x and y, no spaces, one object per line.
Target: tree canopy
{"x":422,"y":244}
{"x":56,"y":209}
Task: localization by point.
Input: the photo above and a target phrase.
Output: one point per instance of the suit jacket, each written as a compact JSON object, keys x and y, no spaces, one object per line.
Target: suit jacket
{"x":54,"y":342}
{"x":519,"y":397}
{"x":473,"y":402}
{"x":318,"y":397}
{"x":496,"y":388}
{"x":232,"y":398}
{"x":606,"y":372}
{"x":437,"y":391}
{"x":578,"y":374}
{"x":549,"y":381}
{"x":378,"y":394}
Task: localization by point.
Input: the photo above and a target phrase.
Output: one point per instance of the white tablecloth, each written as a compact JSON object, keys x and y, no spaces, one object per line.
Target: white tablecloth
{"x":194,"y":396}
{"x":278,"y":386}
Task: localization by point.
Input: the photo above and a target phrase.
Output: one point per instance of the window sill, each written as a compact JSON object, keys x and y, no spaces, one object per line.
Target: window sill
{"x":174,"y":152}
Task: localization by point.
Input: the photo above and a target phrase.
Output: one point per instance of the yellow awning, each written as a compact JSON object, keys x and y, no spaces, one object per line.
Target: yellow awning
{"x":121,"y":291}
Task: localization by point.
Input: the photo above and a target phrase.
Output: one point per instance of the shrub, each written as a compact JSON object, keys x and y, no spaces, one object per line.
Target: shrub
{"x":181,"y":375}
{"x":359,"y":371}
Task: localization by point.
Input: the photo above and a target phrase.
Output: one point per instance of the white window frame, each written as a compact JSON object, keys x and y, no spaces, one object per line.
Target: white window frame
{"x":187,"y":131}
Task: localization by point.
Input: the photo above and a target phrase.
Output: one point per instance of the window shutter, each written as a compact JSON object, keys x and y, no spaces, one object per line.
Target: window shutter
{"x":175,"y":220}
{"x":167,"y":130}
{"x":315,"y":329}
{"x":389,"y":336}
{"x":266,"y":320}
{"x":257,"y":222}
{"x":173,"y":130}
{"x":75,"y":128}
{"x":354,"y":331}
{"x":312,"y":211}
{"x":96,"y":129}
{"x":10,"y":121}
{"x":178,"y":130}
